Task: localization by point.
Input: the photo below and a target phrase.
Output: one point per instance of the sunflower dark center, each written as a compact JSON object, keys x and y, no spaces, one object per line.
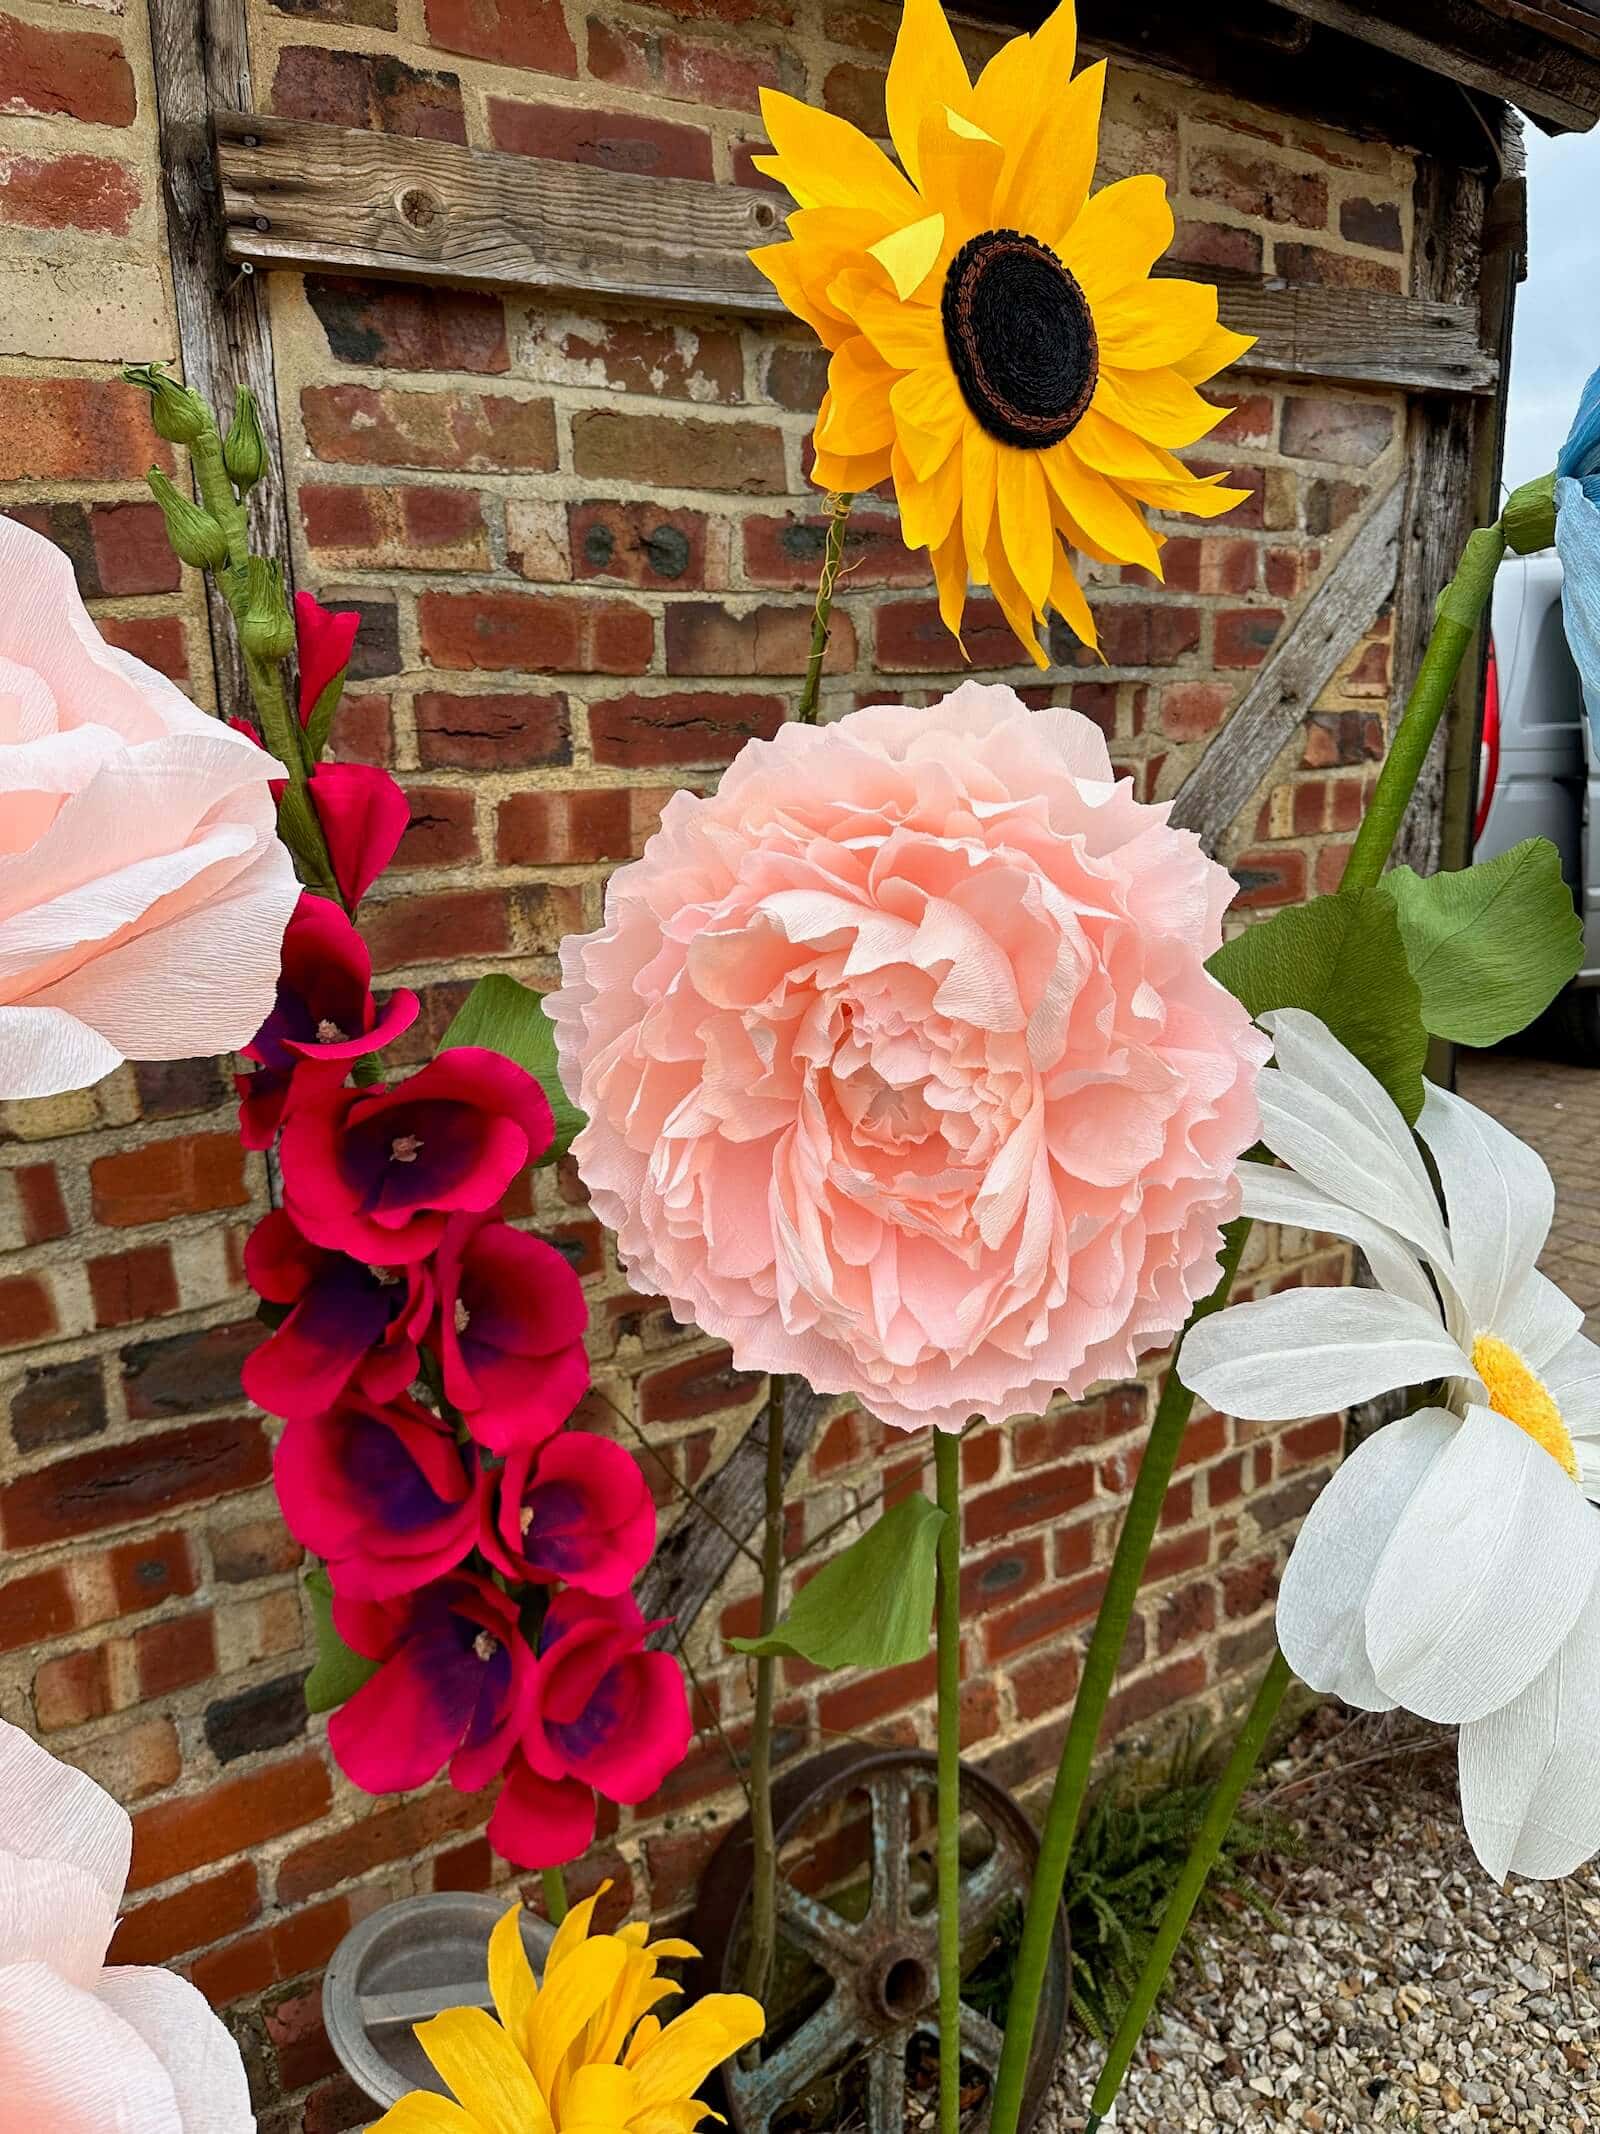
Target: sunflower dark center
{"x":1021,"y":338}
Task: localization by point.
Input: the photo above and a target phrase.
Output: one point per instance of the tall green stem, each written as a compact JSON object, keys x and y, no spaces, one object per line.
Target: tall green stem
{"x":555,"y":1895}
{"x":1202,"y":1858}
{"x":822,"y":614}
{"x":947,"y":1485}
{"x":764,"y":1856}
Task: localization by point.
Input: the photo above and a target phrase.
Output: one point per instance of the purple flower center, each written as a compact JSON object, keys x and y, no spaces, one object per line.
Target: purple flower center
{"x":554,"y":1521}
{"x":409,"y":1156}
{"x":598,"y":1721}
{"x":387,"y":1478}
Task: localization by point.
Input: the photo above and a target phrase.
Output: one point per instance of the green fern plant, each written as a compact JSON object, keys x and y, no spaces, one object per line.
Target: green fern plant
{"x":1134,"y":1839}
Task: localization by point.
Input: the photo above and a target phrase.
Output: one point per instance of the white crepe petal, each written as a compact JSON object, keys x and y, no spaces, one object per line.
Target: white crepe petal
{"x":1498,"y":1196}
{"x":201,"y":2060}
{"x":1485,"y":1574}
{"x":1307,"y":1050}
{"x":1322,"y":1602}
{"x":70,"y":2065}
{"x":53,"y":1812}
{"x":1270,"y":1195}
{"x":1572,"y":1377}
{"x":1529,"y":1796}
{"x":1317,"y":1135}
{"x":54,"y":1912}
{"x":1310,"y":1351}
{"x":1538,"y":1320}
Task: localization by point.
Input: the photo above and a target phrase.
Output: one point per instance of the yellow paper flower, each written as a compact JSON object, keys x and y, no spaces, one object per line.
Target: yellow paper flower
{"x":582,"y":2052}
{"x":999,"y":346}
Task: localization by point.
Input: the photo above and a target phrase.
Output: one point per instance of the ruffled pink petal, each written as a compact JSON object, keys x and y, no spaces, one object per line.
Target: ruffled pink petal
{"x":71,"y":2064}
{"x":364,"y":815}
{"x":54,"y":1812}
{"x":541,"y":1822}
{"x":53,"y":1912}
{"x":199,"y":2058}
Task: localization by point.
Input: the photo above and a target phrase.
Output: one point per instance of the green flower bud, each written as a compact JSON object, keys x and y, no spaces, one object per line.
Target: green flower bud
{"x":266,"y":627}
{"x":244,"y":449}
{"x":179,"y":415}
{"x":1529,"y":519}
{"x":196,"y":537}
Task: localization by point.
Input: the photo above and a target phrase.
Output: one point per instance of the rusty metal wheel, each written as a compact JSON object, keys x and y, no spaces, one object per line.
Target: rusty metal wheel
{"x":853,"y":2019}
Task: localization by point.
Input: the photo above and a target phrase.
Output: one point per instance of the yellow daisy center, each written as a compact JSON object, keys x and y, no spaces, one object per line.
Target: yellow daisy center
{"x":1524,"y":1399}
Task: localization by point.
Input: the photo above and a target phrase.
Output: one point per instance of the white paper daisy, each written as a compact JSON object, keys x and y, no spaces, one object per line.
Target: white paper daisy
{"x":1452,"y":1565}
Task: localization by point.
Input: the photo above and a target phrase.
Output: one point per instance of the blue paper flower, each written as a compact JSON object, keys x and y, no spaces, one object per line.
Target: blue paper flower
{"x":1578,"y":543}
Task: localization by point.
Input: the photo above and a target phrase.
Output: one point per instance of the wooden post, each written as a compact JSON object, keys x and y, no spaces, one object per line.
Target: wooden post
{"x":202,"y":65}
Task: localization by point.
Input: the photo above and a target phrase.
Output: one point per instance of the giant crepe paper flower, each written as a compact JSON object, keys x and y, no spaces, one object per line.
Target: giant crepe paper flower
{"x":323,"y":1018}
{"x":999,"y":347}
{"x":85,"y":2049}
{"x":454,"y":1686}
{"x":1578,"y":543}
{"x":143,"y":890}
{"x":575,"y":1509}
{"x":382,"y":1493}
{"x":902,"y":1067}
{"x":510,"y":1333}
{"x":377,"y":1173}
{"x":348,"y":1325}
{"x":581,"y":2050}
{"x":1452,"y":1565}
{"x":606,"y":1717}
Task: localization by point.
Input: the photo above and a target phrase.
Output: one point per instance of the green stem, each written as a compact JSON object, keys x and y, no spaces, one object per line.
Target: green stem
{"x":1219,"y":1815}
{"x":217,"y":493}
{"x":555,"y":1895}
{"x":947,"y":1483}
{"x":1459,"y":611}
{"x":764,"y":1858}
{"x":832,"y":556}
{"x":1099,"y":1672}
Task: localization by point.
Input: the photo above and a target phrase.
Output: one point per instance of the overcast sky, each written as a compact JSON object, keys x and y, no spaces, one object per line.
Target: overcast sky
{"x":1556,"y":342}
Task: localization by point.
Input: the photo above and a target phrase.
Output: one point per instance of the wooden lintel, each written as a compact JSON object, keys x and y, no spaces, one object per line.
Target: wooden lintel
{"x":317,"y":198}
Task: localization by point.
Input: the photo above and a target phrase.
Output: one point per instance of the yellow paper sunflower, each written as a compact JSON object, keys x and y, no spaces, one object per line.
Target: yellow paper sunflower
{"x":581,"y":2051}
{"x":999,"y":346}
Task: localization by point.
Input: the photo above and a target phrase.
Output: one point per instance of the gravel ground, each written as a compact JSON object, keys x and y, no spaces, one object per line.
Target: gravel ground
{"x":1408,"y":1990}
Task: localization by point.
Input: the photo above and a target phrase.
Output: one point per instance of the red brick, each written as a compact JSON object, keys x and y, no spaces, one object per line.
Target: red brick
{"x":76,"y":74}
{"x":174,"y":1654}
{"x":72,"y":1690}
{"x":27,"y":1311}
{"x":186,"y":1175}
{"x":545,"y":632}
{"x":1146,"y":634}
{"x":118,"y":1484}
{"x":125,"y":1286}
{"x":1191,"y":710}
{"x":787,"y":550}
{"x":1044,"y":1493}
{"x":206,"y":1911}
{"x":1044,"y":1614}
{"x":1372,"y":222}
{"x":34,"y":1608}
{"x":145,"y":1573}
{"x":512,"y":731}
{"x":628,"y":141}
{"x":442,"y":831}
{"x":385,"y":528}
{"x":1249,"y":1587}
{"x":371,"y":90}
{"x":256,"y":1549}
{"x":1001,"y":1578}
{"x":685,"y":727}
{"x":1257,"y":186}
{"x":131,"y":552}
{"x":1217,"y":244}
{"x":158,"y":640}
{"x":132,"y":1762}
{"x":1334,"y":270}
{"x":1145,"y":1700}
{"x":706,"y":637}
{"x":401,"y":1831}
{"x":861,"y":1703}
{"x":513,"y":33}
{"x":797,"y":378}
{"x":638,"y":544}
{"x":436,"y":929}
{"x":44,"y":1212}
{"x":179,"y":1835}
{"x":856,"y":93}
{"x":1320,"y":426}
{"x":700,"y":1385}
{"x":911,"y":639}
{"x":77,"y":429}
{"x":74,"y":192}
{"x":1244,"y":636}
{"x":399,"y":327}
{"x":462,"y":432}
{"x":1186,"y":1615}
{"x":1045,"y":1684}
{"x":558,"y":829}
{"x":674,"y":66}
{"x":1269,"y":878}
{"x":670,"y":451}
{"x":1319,"y":1440}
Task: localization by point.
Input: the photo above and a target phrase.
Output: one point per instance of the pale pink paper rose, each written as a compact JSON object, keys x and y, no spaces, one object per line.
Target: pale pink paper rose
{"x":143,"y":889}
{"x":85,"y":2048}
{"x":902,"y":1067}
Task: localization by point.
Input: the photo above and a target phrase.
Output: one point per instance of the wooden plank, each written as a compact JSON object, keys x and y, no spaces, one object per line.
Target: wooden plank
{"x":1295,"y":673}
{"x":202,"y":66}
{"x":303,"y":195}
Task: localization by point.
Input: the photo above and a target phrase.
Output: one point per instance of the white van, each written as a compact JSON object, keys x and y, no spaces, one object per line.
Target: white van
{"x":1538,"y":772}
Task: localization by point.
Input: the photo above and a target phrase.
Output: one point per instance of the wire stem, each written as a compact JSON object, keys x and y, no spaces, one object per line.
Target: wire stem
{"x":821,"y":618}
{"x":947,"y":1483}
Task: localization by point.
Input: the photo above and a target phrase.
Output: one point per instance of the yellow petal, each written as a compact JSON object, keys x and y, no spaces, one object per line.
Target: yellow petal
{"x":1154,"y":322}
{"x":1026,"y":74}
{"x":950,"y":576}
{"x":830,"y":159}
{"x":1067,"y":526}
{"x":570,"y":1995}
{"x":840,"y":474}
{"x":485,"y":2070}
{"x":855,"y":416}
{"x":1156,"y":404}
{"x":929,"y":415}
{"x":420,"y":2112}
{"x":675,"y":2064}
{"x":1121,"y":233}
{"x":1025,"y":531}
{"x":1015,"y":606}
{"x":905,"y":335}
{"x":1050,"y":170}
{"x":1103,"y":512}
{"x":1207,"y":499}
{"x":573,"y":1931}
{"x":607,"y":2095}
{"x":980,"y":476}
{"x":928,"y":507}
{"x":1066,"y":597}
{"x":909,"y":255}
{"x":511,"y":1979}
{"x":642,"y":2040}
{"x":1220,"y":347}
{"x":927,"y":70}
{"x":1106,"y":445}
{"x":961,"y":167}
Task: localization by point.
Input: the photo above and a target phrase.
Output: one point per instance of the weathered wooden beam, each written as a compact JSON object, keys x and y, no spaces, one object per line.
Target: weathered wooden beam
{"x":202,"y":67}
{"x":303,"y":195}
{"x":1295,"y":673}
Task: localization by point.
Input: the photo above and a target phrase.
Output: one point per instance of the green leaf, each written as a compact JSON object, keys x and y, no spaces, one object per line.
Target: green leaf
{"x":506,"y":1017}
{"x":871,"y":1606}
{"x":1342,"y":959}
{"x":320,"y":723}
{"x":1490,"y":947}
{"x":339,"y":1672}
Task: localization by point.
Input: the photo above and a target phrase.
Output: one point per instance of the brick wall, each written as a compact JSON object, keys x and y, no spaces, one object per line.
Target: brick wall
{"x":583,"y":546}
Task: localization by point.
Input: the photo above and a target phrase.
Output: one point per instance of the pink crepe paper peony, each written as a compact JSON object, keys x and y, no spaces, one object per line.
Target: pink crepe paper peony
{"x":510,"y":1332}
{"x":902,"y":1067}
{"x":143,"y":890}
{"x":576,"y":1510}
{"x":85,"y":2048}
